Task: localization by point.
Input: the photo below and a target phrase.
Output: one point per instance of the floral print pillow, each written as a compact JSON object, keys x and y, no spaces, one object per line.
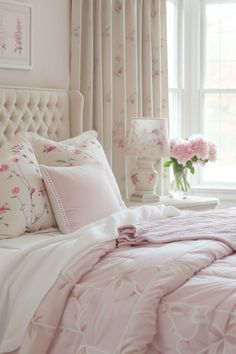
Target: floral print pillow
{"x":82,"y":138}
{"x":24,"y":205}
{"x":84,"y":149}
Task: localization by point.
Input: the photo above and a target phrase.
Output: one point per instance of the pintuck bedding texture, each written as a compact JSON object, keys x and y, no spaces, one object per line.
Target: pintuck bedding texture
{"x":143,"y":280}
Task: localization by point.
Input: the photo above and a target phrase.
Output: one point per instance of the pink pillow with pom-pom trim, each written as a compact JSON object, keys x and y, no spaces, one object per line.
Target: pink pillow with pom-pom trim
{"x":79,"y":195}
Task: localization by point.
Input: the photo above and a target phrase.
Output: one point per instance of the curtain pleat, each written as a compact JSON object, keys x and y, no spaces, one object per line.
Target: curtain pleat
{"x":119,"y":63}
{"x":139,"y":29}
{"x":119,"y":91}
{"x":87,"y":61}
{"x":107,"y":35}
{"x":156,"y":82}
{"x":76,"y":26}
{"x":98,"y":71}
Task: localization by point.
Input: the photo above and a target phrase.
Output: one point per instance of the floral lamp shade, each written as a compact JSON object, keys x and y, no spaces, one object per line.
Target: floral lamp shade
{"x":148,"y":142}
{"x":148,"y":138}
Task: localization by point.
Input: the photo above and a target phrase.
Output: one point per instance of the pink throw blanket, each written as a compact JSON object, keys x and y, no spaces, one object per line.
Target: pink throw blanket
{"x":219,"y":225}
{"x":111,"y":302}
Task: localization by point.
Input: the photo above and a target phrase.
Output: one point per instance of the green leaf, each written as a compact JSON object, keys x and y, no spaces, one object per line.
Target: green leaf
{"x":167,"y":163}
{"x":178,"y":167}
{"x":189,"y":165}
{"x":61,"y":161}
{"x":173,"y":159}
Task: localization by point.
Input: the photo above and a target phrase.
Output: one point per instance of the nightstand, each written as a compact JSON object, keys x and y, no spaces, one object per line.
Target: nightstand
{"x":190,"y":203}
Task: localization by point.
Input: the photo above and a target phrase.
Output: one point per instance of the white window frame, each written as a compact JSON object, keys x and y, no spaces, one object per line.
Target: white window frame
{"x":177,"y":90}
{"x":192,"y":43}
{"x":194,"y":90}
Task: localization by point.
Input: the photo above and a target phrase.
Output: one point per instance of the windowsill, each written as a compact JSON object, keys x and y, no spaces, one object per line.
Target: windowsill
{"x":222,"y":192}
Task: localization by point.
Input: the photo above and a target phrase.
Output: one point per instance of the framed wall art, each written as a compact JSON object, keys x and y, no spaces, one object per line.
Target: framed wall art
{"x":15,"y":34}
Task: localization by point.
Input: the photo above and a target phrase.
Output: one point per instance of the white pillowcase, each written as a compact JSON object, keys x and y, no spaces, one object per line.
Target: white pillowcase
{"x":24,"y":205}
{"x":84,"y":149}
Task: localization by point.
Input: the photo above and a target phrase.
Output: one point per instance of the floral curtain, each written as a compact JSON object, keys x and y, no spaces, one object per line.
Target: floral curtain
{"x":119,"y":64}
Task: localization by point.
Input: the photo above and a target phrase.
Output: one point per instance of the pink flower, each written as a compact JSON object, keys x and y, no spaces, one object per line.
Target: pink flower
{"x":42,"y":192}
{"x":4,"y":168}
{"x":134,"y":178}
{"x":212,"y":151}
{"x":3,"y":208}
{"x":187,"y":152}
{"x":18,"y":33}
{"x":199,"y":146}
{"x":15,"y":190}
{"x":18,"y":37}
{"x":150,"y":177}
{"x":32,"y":190}
{"x":48,"y":148}
{"x":181,"y":150}
{"x":77,"y":151}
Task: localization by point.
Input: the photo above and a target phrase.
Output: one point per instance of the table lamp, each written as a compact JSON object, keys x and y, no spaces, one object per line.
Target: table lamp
{"x":148,"y":142}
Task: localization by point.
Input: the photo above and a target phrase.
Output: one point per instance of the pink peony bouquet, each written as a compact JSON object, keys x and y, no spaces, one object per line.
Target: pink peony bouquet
{"x":195,"y":149}
{"x":185,"y":153}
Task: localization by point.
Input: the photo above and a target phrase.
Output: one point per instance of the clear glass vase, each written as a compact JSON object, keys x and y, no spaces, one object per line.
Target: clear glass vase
{"x":180,"y":186}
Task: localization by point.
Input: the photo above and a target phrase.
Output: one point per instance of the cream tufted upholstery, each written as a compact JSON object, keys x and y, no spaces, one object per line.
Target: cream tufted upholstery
{"x":45,"y":112}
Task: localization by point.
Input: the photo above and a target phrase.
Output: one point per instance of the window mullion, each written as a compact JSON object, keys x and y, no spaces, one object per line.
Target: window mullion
{"x":192,"y":104}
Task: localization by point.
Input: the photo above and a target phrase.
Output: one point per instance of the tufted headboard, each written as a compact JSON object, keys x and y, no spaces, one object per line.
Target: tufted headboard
{"x":55,"y":114}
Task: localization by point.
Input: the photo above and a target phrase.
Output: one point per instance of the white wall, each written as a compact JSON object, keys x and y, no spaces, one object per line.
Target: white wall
{"x":51,"y":48}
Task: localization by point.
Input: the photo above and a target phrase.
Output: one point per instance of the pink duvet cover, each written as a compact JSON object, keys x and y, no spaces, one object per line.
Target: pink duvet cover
{"x":171,"y":295}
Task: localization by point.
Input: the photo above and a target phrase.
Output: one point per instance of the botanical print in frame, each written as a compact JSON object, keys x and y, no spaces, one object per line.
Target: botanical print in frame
{"x":15,"y":35}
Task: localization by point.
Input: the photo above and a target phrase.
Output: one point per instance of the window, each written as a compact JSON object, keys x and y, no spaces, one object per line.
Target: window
{"x":219,"y":87}
{"x":203,"y":94}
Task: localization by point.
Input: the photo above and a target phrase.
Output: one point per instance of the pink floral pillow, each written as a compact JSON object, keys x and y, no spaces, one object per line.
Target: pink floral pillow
{"x":85,"y":149}
{"x":24,"y":205}
{"x":79,"y":195}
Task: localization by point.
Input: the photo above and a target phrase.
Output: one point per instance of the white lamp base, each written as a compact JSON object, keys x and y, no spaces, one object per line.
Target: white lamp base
{"x":144,"y":198}
{"x":144,"y":179}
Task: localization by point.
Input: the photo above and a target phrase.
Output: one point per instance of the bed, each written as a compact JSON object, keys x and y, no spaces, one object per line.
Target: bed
{"x":148,"y":280}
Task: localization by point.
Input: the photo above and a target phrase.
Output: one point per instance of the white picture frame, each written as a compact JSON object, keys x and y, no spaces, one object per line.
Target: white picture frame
{"x":15,"y":35}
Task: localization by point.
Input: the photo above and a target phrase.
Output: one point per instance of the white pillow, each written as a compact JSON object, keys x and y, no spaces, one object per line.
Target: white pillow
{"x":86,"y":149}
{"x":24,"y":205}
